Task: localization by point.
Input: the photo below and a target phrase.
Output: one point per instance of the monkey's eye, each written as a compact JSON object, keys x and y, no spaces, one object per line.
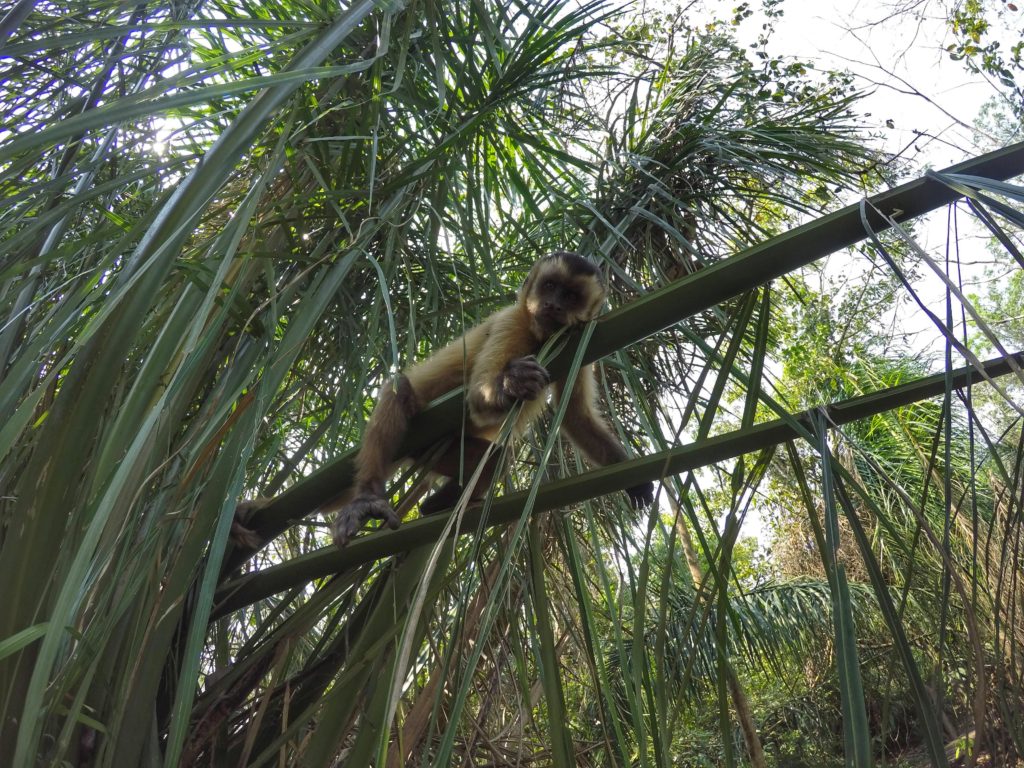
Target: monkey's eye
{"x":549,"y":285}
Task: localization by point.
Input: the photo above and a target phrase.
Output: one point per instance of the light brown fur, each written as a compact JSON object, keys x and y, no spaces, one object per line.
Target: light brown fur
{"x":495,"y":361}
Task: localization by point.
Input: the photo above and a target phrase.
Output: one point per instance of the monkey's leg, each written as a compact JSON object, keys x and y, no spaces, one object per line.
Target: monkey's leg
{"x":451,"y":461}
{"x":589,"y":432}
{"x":383,"y":437}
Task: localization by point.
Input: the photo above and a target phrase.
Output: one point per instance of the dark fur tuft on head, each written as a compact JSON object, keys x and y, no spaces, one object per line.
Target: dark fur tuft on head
{"x":576,"y":264}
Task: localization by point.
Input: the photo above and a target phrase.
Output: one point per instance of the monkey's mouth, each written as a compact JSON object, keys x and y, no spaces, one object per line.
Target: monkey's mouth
{"x":552,"y":320}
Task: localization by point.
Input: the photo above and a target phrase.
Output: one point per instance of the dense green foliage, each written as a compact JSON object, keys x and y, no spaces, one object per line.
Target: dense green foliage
{"x":225,"y":225}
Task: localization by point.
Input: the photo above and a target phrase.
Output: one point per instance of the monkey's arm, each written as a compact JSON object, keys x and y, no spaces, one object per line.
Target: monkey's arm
{"x":590,"y":433}
{"x":504,"y":371}
{"x":396,"y":405}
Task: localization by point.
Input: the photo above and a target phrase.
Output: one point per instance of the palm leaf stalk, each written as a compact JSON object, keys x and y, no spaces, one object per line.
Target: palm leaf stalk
{"x":559,"y":494}
{"x":663,"y":308}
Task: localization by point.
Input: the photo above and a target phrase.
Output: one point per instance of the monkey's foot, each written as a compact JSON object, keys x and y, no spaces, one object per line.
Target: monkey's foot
{"x":641,"y":496}
{"x":523,"y":379}
{"x":443,"y":498}
{"x":242,"y":536}
{"x":354,"y":515}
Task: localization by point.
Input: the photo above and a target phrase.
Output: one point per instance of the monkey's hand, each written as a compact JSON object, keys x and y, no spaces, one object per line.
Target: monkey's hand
{"x":522,"y":379}
{"x":641,"y":496}
{"x":353,"y":515}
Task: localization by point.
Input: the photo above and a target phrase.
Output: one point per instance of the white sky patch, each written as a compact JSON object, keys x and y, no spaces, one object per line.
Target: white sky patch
{"x":920,"y":103}
{"x":920,"y":97}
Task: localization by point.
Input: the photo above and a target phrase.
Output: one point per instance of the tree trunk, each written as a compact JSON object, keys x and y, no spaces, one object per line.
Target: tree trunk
{"x":740,"y":702}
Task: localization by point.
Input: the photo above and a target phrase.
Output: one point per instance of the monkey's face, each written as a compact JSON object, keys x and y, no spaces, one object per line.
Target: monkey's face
{"x":562,"y":290}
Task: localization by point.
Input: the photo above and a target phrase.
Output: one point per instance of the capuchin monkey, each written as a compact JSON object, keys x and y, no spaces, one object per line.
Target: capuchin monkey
{"x":495,"y":360}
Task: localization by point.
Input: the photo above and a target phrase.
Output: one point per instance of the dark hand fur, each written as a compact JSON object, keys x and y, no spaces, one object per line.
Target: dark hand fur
{"x":522,"y":379}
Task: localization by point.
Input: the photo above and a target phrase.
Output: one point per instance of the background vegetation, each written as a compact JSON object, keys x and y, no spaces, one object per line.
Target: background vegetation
{"x":224,"y":225}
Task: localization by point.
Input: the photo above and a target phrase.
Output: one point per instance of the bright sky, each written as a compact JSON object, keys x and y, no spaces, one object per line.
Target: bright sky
{"x":931,"y":101}
{"x":896,"y":55}
{"x":921,"y":104}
